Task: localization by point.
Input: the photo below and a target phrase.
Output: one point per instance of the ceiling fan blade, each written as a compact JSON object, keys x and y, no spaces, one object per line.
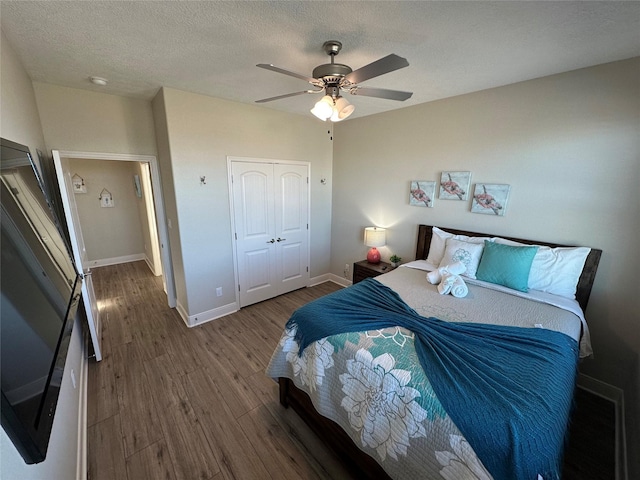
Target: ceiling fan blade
{"x":381,"y":93}
{"x":379,"y":67}
{"x":271,"y":67}
{"x":270,"y":99}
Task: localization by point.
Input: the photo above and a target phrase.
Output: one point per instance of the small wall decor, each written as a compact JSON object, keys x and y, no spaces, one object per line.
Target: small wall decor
{"x":136,"y":184}
{"x":106,"y":199}
{"x":78,"y":184}
{"x":422,"y":193}
{"x":455,"y":185}
{"x":490,"y":198}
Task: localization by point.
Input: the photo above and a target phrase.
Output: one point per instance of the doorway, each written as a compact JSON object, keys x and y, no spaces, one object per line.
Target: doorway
{"x":153,"y":205}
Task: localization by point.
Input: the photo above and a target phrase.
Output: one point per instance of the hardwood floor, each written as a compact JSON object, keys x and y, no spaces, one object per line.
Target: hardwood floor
{"x":170,"y":402}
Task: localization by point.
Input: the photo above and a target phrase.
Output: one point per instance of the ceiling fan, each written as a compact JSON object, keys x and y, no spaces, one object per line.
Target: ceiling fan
{"x":332,"y":78}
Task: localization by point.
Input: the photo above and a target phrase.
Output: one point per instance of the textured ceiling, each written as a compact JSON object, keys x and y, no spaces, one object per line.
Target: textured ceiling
{"x":212,"y":47}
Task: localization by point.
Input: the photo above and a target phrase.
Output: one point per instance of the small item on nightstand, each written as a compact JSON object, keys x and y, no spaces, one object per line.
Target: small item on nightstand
{"x":374,"y":237}
{"x":395,"y":260}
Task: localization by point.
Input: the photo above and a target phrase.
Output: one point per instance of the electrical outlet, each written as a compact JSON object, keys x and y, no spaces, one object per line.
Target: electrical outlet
{"x":346,"y":270}
{"x":219,"y":291}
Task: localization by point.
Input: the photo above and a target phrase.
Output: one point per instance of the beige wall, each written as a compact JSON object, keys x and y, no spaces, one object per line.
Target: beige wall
{"x":169,"y":193}
{"x":20,"y":123}
{"x":200,"y":133}
{"x":83,"y":121}
{"x":19,"y":119}
{"x":568,"y":145}
{"x":110,"y":233}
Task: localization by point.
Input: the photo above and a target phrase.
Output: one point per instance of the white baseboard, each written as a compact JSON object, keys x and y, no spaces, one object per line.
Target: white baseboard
{"x":183,"y":313}
{"x":329,"y":277}
{"x":318,"y":280}
{"x":616,"y":396}
{"x":209,"y":315}
{"x":116,"y":260}
{"x":204,"y":317}
{"x":600,"y":388}
{"x":81,"y":469}
{"x":156,"y":272}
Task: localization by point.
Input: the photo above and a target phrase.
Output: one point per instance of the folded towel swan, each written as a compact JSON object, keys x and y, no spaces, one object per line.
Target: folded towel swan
{"x":449,"y":280}
{"x":436,"y":276}
{"x":459,"y":289}
{"x":445,"y":286}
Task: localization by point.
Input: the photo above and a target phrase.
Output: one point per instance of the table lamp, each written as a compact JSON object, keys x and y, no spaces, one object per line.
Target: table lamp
{"x":374,"y":237}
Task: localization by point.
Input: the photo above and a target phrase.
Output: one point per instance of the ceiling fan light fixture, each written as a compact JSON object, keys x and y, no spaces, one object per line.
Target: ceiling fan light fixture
{"x":332,"y":78}
{"x":342,"y":109}
{"x":323,"y":109}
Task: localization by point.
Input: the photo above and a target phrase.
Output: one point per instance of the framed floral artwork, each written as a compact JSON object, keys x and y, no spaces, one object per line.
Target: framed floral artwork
{"x":455,"y":185}
{"x":422,"y":193}
{"x":490,"y":198}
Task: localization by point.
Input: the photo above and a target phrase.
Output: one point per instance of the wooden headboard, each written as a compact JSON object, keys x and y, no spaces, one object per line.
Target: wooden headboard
{"x":587,"y":276}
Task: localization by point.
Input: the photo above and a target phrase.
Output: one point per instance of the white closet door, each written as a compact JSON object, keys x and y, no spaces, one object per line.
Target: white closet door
{"x":253,"y":202}
{"x":270,"y":210}
{"x":291,"y":226}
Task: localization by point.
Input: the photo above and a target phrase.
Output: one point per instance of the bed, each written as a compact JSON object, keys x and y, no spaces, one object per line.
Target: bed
{"x":393,"y":376}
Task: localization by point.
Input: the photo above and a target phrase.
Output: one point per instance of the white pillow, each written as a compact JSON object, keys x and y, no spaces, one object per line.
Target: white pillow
{"x":462,"y":251}
{"x":438,"y":244}
{"x":555,"y":270}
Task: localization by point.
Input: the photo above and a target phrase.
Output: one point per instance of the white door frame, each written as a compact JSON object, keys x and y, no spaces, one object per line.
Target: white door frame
{"x":158,"y":200}
{"x":234,"y":250}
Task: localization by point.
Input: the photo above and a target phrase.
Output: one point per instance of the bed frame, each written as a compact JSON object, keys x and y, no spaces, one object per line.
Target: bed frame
{"x":359,"y":464}
{"x":587,"y":276}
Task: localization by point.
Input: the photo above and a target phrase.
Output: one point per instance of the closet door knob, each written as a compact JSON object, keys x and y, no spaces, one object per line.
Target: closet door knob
{"x":281,"y":239}
{"x":271,"y":241}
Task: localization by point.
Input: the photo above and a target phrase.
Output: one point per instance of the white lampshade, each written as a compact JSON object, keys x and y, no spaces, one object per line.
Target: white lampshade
{"x":342,"y":109}
{"x":323,"y":109}
{"x":375,"y":237}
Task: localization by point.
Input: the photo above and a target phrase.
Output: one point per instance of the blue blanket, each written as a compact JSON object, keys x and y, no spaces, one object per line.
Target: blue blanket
{"x":508,"y":389}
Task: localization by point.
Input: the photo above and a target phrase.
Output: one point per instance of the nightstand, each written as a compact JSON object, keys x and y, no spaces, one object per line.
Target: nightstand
{"x":364,"y":269}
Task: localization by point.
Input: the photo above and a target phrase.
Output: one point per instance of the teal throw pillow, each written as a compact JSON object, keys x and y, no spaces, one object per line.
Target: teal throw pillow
{"x":506,"y":265}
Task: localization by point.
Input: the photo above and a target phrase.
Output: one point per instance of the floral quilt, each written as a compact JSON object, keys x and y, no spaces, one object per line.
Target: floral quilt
{"x":372,"y":385}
